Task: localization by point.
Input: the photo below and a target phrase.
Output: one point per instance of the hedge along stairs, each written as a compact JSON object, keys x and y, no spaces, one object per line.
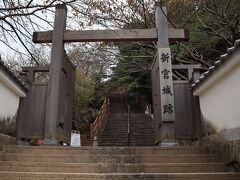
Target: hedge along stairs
{"x":175,"y":163}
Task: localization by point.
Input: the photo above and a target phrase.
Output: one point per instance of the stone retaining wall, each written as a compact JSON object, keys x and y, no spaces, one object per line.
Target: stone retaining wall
{"x":226,"y":144}
{"x":8,"y":126}
{"x":5,"y":139}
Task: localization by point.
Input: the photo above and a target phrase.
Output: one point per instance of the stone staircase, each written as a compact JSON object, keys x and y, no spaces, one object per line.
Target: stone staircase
{"x":162,"y":163}
{"x":115,"y":132}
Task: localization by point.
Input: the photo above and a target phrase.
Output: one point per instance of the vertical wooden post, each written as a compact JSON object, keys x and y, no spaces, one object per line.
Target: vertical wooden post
{"x":53,"y":93}
{"x":30,"y":76}
{"x":166,"y":82}
{"x":190,"y":73}
{"x":197,"y":117}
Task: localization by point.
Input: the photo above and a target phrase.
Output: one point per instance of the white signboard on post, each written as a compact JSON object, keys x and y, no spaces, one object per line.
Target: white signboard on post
{"x":75,"y":140}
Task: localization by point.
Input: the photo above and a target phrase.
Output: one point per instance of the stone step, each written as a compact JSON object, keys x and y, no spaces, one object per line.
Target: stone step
{"x":114,"y":138}
{"x":116,"y":131}
{"x":123,"y":127}
{"x":124,"y":138}
{"x":120,"y":130}
{"x":125,"y":124}
{"x":122,"y":133}
{"x":142,"y":126}
{"x":51,"y":162}
{"x":135,"y":135}
{"x":109,"y":131}
{"x":106,"y":150}
{"x":110,"y":144}
{"x":140,"y":142}
{"x":131,"y":119}
{"x":126,"y":144}
{"x":111,"y":167}
{"x":120,"y":126}
{"x":137,"y":130}
{"x":123,"y":121}
{"x":125,"y":141}
{"x":117,"y":176}
{"x":132,"y":123}
{"x":139,"y":136}
{"x":86,"y":158}
{"x":143,"y":133}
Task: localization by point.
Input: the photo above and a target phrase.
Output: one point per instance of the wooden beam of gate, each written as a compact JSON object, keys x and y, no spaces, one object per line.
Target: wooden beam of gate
{"x":111,"y":35}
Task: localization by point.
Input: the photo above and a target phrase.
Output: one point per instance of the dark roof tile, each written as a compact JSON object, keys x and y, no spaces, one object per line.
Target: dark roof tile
{"x":16,"y":79}
{"x":217,"y":64}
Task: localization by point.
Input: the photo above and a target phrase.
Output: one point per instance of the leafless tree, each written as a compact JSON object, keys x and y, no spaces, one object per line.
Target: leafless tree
{"x":18,"y":20}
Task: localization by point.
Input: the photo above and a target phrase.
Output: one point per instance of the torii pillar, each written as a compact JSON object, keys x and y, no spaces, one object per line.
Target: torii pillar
{"x":54,"y":86}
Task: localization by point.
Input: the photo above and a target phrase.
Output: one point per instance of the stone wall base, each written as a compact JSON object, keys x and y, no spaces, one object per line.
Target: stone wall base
{"x":6,"y":140}
{"x":226,"y":144}
{"x":229,"y":152}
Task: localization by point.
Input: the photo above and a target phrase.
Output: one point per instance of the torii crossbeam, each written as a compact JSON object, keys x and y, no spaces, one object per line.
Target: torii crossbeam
{"x":112,"y":35}
{"x":60,"y":35}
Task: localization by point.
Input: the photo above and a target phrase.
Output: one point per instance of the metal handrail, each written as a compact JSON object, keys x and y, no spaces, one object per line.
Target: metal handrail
{"x":128,"y":130}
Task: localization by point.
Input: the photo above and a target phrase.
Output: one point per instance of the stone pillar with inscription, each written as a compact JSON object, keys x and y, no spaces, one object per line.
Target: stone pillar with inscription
{"x":166,"y":81}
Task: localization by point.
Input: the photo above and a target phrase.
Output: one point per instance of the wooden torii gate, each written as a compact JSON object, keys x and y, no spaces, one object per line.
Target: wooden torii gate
{"x":162,"y":34}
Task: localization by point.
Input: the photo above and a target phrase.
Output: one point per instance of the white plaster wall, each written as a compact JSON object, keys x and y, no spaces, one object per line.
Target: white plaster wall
{"x":9,"y":101}
{"x":220,"y":103}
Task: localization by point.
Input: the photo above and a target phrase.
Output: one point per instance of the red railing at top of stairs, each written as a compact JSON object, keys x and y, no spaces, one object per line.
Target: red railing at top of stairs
{"x":100,"y":120}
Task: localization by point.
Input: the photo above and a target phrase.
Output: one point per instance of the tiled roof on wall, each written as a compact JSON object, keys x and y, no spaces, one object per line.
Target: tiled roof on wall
{"x":16,"y":79}
{"x":217,"y":64}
